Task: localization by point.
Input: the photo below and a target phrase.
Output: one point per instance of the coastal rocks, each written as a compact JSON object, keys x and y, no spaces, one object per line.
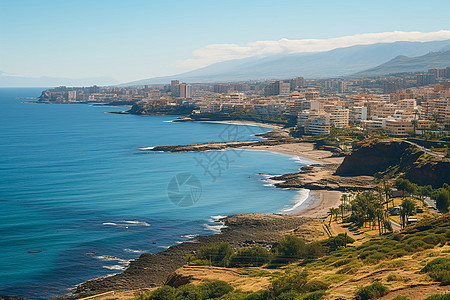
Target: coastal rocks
{"x":371,"y":157}
{"x":399,"y":157}
{"x":151,"y":270}
{"x":322,"y":177}
{"x":212,"y":146}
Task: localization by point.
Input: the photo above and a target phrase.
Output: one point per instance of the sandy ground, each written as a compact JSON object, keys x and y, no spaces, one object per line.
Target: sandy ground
{"x":302,"y":149}
{"x":241,"y":122}
{"x":319,"y":203}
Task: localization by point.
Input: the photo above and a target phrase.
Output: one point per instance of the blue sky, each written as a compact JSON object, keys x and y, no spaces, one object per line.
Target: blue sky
{"x":134,"y":39}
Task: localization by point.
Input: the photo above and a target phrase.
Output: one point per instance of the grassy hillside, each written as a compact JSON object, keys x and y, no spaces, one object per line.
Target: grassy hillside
{"x":411,"y":264}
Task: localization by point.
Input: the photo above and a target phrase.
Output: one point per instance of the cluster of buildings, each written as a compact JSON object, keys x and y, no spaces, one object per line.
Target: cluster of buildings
{"x":398,"y":104}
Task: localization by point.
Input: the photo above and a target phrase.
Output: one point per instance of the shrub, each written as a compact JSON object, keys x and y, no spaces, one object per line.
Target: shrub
{"x":216,"y":289}
{"x":314,"y":250}
{"x":314,"y":295}
{"x":163,"y":293}
{"x":342,"y":262}
{"x":401,"y":298}
{"x":315,"y":285}
{"x":439,"y":270}
{"x":249,"y":257}
{"x":291,"y":246}
{"x":394,"y":277}
{"x":294,"y":281}
{"x":336,"y":242}
{"x":190,"y":292}
{"x":373,"y":291}
{"x":439,"y":297}
{"x":217,"y":253}
{"x":289,"y":295}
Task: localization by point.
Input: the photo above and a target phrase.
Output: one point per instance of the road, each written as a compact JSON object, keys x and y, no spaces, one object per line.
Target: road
{"x":426,"y":150}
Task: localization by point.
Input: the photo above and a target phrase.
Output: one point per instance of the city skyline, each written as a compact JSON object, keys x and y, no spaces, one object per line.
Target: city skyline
{"x":141,"y":39}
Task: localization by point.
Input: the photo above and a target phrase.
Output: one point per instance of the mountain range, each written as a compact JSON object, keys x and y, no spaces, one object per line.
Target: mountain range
{"x":404,"y":64}
{"x":338,"y":62}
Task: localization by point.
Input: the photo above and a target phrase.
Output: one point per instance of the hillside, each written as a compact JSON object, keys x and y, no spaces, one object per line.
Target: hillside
{"x":399,"y":157}
{"x":403,"y":64}
{"x":411,"y":264}
{"x":337,"y":62}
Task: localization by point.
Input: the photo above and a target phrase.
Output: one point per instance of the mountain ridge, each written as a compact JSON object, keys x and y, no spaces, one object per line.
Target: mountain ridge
{"x":338,"y":62}
{"x":406,"y":64}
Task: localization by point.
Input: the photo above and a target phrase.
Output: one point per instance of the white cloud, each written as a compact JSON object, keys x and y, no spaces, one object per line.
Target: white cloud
{"x":222,"y":52}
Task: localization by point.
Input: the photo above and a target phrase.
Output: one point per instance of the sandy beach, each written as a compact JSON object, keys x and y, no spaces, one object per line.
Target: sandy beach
{"x":301,"y":149}
{"x":243,"y":122}
{"x":151,"y":270}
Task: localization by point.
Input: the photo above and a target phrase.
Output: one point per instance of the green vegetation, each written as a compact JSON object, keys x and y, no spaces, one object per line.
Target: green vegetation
{"x":439,"y":297}
{"x":249,"y":257}
{"x":303,"y":279}
{"x":442,"y":196}
{"x":373,"y":291}
{"x":209,"y":290}
{"x":439,"y":270}
{"x":401,"y":298}
{"x":368,"y":210}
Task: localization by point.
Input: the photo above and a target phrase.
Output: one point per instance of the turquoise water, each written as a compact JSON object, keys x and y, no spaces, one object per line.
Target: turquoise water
{"x":73,"y":181}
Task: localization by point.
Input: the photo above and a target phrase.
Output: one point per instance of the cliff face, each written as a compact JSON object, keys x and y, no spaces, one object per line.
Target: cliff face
{"x":431,"y":173}
{"x":401,"y":158}
{"x":372,"y":157}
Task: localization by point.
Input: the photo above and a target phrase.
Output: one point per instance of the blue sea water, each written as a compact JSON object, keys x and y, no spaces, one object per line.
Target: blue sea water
{"x":73,"y":181}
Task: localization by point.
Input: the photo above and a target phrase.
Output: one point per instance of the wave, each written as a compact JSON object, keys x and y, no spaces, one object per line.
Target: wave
{"x":303,"y":161}
{"x":215,"y":228}
{"x":126,"y":223}
{"x":217,"y":218}
{"x":116,"y":267}
{"x":301,"y":197}
{"x":134,"y":251}
{"x":190,"y":236}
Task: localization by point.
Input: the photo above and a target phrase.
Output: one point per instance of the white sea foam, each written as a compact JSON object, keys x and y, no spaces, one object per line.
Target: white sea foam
{"x":164,"y":247}
{"x":214,"y":228}
{"x":301,"y":197}
{"x":135,"y":251}
{"x":116,"y":267}
{"x":217,"y":218}
{"x":141,"y":223}
{"x":126,"y":223}
{"x":146,"y":148}
{"x":215,"y":224}
{"x":302,"y":160}
{"x":190,"y":236}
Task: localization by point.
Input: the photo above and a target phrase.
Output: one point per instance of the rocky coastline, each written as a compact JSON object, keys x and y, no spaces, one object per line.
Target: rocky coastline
{"x":152,"y":270}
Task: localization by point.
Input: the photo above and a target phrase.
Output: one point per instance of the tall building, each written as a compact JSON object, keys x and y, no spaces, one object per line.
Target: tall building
{"x":277,"y":88}
{"x":185,"y":90}
{"x":314,"y":122}
{"x":297,"y":82}
{"x":390,"y":86}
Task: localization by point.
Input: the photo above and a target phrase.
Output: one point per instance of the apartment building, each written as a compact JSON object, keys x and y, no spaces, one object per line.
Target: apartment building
{"x":314,"y":122}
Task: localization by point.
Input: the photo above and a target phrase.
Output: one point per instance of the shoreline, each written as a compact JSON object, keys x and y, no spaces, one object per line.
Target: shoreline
{"x":243,"y":123}
{"x":151,"y":270}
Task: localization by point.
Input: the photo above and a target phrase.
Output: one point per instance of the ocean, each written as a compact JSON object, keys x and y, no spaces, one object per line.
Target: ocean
{"x":79,"y":199}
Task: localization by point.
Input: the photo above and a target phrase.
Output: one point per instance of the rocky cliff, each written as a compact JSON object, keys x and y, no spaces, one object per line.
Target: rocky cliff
{"x":378,"y":157}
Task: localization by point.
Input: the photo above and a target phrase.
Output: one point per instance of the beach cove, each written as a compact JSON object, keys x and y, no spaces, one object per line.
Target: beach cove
{"x":83,"y":200}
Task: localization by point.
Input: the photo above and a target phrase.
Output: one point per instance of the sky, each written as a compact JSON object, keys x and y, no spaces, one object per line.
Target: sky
{"x":136,"y":39}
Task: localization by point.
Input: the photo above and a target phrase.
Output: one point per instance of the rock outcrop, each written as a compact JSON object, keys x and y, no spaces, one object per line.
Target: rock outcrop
{"x":378,"y":157}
